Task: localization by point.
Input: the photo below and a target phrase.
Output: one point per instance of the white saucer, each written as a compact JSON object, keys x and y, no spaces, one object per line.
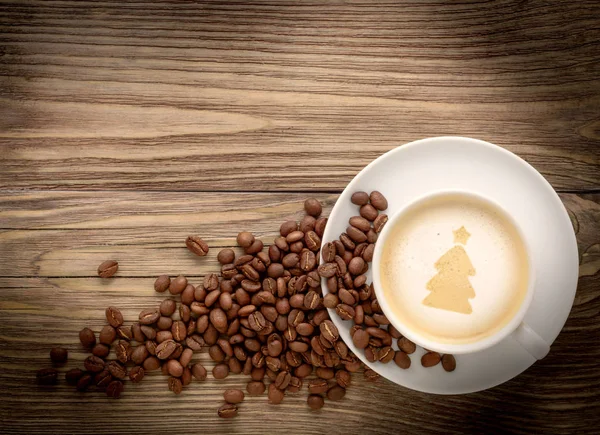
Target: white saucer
{"x":427,"y":165}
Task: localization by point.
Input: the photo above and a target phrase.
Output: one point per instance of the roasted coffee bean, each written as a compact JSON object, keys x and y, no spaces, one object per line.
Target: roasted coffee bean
{"x":187,"y":295}
{"x":405,"y":345}
{"x":294,"y":236}
{"x":330,"y":300}
{"x":255,"y":247}
{"x":178,"y":351}
{"x":318,"y":386}
{"x":346,"y":312}
{"x":165,"y":349}
{"x":186,"y":377}
{"x":84,"y":382}
{"x":178,"y":285}
{"x":448,"y":362}
{"x":196,"y":245}
{"x":210,"y":283}
{"x":226,"y":256}
{"x":174,"y":368}
{"x":59,"y":355}
{"x":162,"y":283}
{"x":367,"y":254}
{"x":220,"y":371}
{"x":139,"y":354}
{"x":199,"y":372}
{"x":371,"y":353}
{"x":356,"y":235}
{"x":275,"y":394}
{"x":257,"y":321}
{"x":385,"y":354}
{"x":315,"y":401}
{"x":312,"y":241}
{"x":46,"y":377}
{"x":290,"y":260}
{"x":175,"y":385}
{"x":401,"y":359}
{"x":87,"y":338}
{"x":114,"y":317}
{"x":228,"y":271}
{"x":311,"y":300}
{"x":336,"y":393}
{"x":360,"y":223}
{"x":275,"y":270}
{"x":244,"y":259}
{"x":198,"y":308}
{"x":308,"y":260}
{"x":320,"y":226}
{"x":361,"y":339}
{"x":178,"y":331}
{"x":149,"y":332}
{"x":327,"y":270}
{"x":116,"y":370}
{"x":195,"y":342}
{"x":226,"y":286}
{"x":343,"y":378}
{"x":245,"y":239}
{"x":165,"y":323}
{"x":218,"y":319}
{"x":378,"y":200}
{"x":430,"y":359}
{"x":249,"y":272}
{"x":233,"y":396}
{"x":72,"y":376}
{"x":125,"y":332}
{"x":136,"y":330}
{"x":227,"y":411}
{"x":313,"y":207}
{"x":325,"y":373}
{"x":102,"y":379}
{"x":107,"y":335}
{"x":298,"y":346}
{"x":255,"y":388}
{"x":359,"y":198}
{"x":123,"y":351}
{"x":108,"y":268}
{"x":101,"y":350}
{"x":235,"y":366}
{"x":356,"y":266}
{"x":307,"y":224}
{"x":305,"y":329}
{"x":380,"y":222}
{"x":319,"y":317}
{"x":94,"y":364}
{"x":346,"y":297}
{"x":368,"y":212}
{"x":151,"y":347}
{"x":136,"y":374}
{"x":287,"y":227}
{"x":359,"y":315}
{"x":149,"y":316}
{"x":211,"y":298}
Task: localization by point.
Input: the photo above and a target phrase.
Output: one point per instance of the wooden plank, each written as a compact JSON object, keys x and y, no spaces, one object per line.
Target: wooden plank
{"x":278,"y":97}
{"x":71,"y":233}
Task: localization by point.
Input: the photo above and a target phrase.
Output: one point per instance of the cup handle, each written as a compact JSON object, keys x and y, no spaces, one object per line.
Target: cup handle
{"x":531,"y":341}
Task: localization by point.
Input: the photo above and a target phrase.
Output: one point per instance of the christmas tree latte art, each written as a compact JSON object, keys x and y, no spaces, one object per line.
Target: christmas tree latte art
{"x":450,"y":288}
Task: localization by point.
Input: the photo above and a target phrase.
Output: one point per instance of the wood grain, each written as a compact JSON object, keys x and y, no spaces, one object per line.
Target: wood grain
{"x":288,"y":96}
{"x":126,"y":126}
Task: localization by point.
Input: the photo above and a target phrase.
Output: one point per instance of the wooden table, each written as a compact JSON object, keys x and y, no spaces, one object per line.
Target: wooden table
{"x":126,"y":126}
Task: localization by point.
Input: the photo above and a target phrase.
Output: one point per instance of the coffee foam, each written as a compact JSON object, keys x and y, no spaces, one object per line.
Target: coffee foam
{"x":451,"y":303}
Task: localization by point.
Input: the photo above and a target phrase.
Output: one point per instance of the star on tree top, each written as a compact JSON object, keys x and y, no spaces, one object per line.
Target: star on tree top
{"x":461,"y":235}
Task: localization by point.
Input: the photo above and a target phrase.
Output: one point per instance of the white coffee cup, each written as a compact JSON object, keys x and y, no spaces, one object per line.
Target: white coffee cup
{"x":514,"y":328}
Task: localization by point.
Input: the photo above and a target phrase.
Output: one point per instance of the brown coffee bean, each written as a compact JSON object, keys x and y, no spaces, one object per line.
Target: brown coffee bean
{"x":114,"y":317}
{"x":107,"y":335}
{"x":233,"y":396}
{"x":178,"y":285}
{"x":149,"y":316}
{"x":327,"y":270}
{"x":220,"y":371}
{"x":368,"y":212}
{"x":359,"y":198}
{"x":311,"y":300}
{"x":348,"y":244}
{"x":361,"y":339}
{"x":319,"y":317}
{"x":315,"y":401}
{"x":378,"y":200}
{"x":313,"y":207}
{"x":402,"y":360}
{"x":385,"y":354}
{"x":94,"y":364}
{"x":227,"y":411}
{"x":288,"y":227}
{"x":295,"y":385}
{"x":346,"y":297}
{"x":249,"y":272}
{"x":307,"y":224}
{"x":179,"y":330}
{"x":245,"y":239}
{"x":87,"y":338}
{"x":108,"y":268}
{"x":84,"y":382}
{"x":255,"y":388}
{"x":405,"y":345}
{"x":343,"y":378}
{"x":117,"y":370}
{"x":255,"y":248}
{"x":318,"y":386}
{"x":356,"y":235}
{"x":186,"y":377}
{"x":308,"y":260}
{"x":312,"y":241}
{"x":325,"y":373}
{"x":175,"y":385}
{"x":430,"y":359}
{"x":72,"y":376}
{"x":330,"y":300}
{"x":59,"y":355}
{"x":226,"y":256}
{"x":448,"y":362}
{"x":46,"y":377}
{"x":162,"y":283}
{"x":136,"y":331}
{"x":199,"y":372}
{"x":196,"y":245}
{"x":136,"y":374}
{"x":174,"y":368}
{"x":336,"y":393}
{"x":367,"y":254}
{"x":380,"y":222}
{"x":125,"y":332}
{"x":346,"y":312}
{"x":356,"y":266}
{"x":320,"y":225}
{"x":275,"y":395}
{"x":256,"y":321}
{"x":329,"y":331}
{"x":102,"y":379}
{"x":211,"y":282}
{"x":101,"y":350}
{"x":139,"y":354}
{"x":165,"y":349}
{"x":218,"y":318}
{"x":360,"y":223}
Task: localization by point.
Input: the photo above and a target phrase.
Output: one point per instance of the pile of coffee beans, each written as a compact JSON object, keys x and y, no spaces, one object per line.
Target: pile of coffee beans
{"x":262,"y":315}
{"x":346,"y":262}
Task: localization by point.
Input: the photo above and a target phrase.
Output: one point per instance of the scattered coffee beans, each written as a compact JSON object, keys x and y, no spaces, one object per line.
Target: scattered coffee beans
{"x":107,"y":268}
